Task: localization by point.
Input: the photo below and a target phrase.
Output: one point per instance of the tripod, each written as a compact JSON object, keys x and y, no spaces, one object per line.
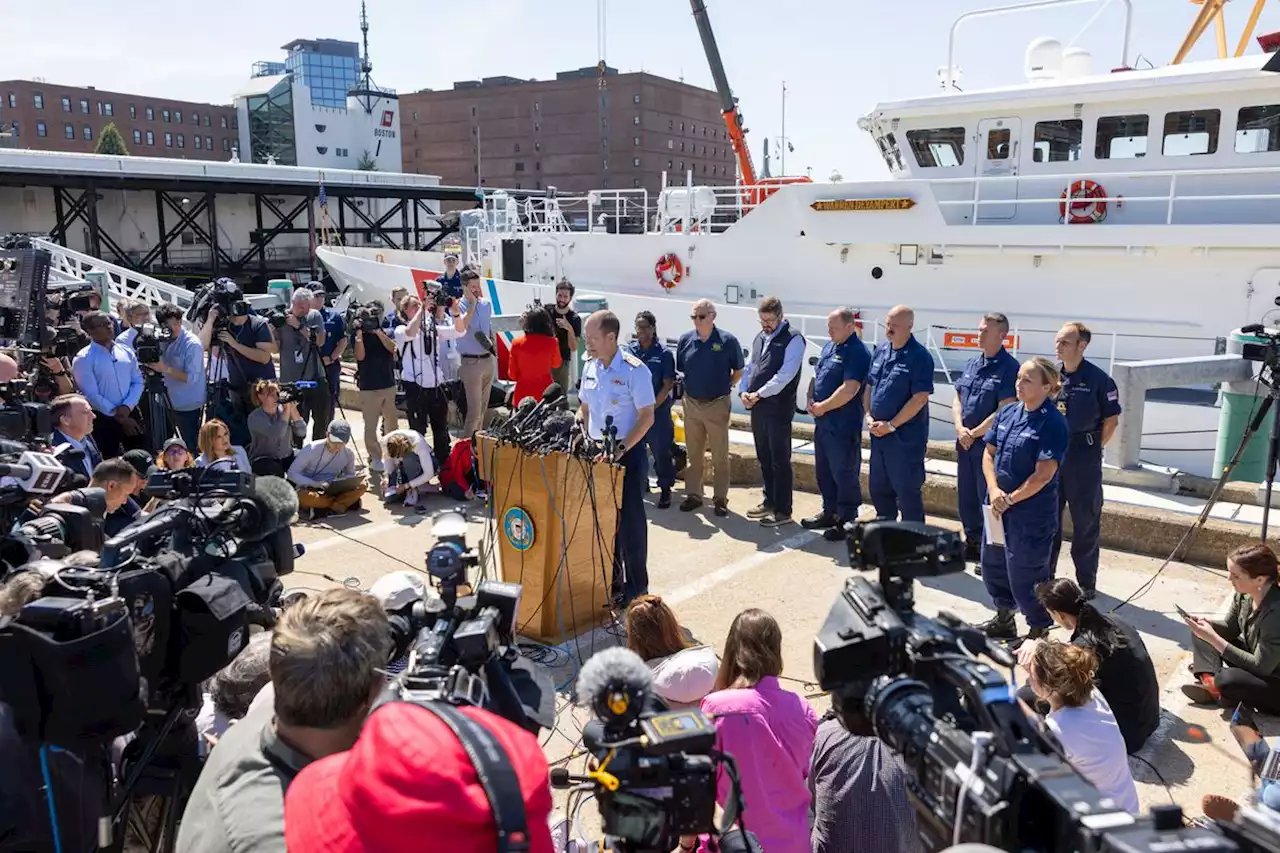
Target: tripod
{"x":153,"y":793}
{"x":156,"y":393}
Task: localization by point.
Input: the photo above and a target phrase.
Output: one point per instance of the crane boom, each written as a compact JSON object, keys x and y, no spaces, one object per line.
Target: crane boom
{"x":728,"y":105}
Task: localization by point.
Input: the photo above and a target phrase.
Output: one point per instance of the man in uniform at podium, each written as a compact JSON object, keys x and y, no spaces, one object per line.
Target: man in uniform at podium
{"x":616,"y":406}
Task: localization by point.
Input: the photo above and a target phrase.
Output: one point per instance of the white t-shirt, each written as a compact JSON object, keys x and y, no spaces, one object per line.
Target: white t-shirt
{"x":1093,"y":744}
{"x":684,"y":678}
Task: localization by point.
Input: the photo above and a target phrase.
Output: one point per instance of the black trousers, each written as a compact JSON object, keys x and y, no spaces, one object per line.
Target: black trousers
{"x":110,"y":437}
{"x":316,"y":405}
{"x":430,"y":407}
{"x":1237,"y":686}
{"x":772,"y":433}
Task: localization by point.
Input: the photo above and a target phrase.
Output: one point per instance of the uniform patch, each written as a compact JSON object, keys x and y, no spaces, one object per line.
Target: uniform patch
{"x":715,"y":347}
{"x":631,"y":359}
{"x":1113,"y":396}
{"x":1062,"y":407}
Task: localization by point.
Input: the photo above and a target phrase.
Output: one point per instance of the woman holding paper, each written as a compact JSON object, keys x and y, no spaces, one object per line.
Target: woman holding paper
{"x":1025,"y":446}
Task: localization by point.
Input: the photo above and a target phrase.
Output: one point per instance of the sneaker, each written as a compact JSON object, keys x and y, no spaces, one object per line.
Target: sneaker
{"x":834,"y":534}
{"x":1200,"y":693}
{"x":722,"y":507}
{"x":1089,"y":594}
{"x":821,"y":521}
{"x":664,"y":499}
{"x":759,"y":511}
{"x":375,"y":465}
{"x":1002,"y":626}
{"x":1218,"y":807}
{"x":690,"y":503}
{"x":411,"y":497}
{"x":775,"y":519}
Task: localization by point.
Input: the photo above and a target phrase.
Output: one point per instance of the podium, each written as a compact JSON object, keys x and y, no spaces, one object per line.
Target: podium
{"x":555,"y":518}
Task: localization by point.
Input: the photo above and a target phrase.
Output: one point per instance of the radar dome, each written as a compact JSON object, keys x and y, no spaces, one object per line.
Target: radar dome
{"x":1077,"y":62}
{"x":1044,"y":60}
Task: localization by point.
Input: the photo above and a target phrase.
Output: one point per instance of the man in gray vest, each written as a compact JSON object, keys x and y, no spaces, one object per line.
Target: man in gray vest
{"x":768,"y":391}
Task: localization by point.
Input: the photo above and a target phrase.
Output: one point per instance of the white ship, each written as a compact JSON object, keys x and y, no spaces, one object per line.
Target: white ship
{"x":1145,"y":203}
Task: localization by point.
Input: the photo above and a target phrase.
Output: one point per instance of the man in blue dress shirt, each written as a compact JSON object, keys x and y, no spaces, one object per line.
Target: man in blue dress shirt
{"x":107,"y":374}
{"x":616,"y":384}
{"x":896,"y":400}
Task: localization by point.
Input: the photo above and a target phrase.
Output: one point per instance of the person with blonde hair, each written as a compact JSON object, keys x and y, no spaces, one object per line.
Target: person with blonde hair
{"x":1025,"y":446}
{"x":769,"y":730}
{"x":409,"y":465}
{"x":683,"y":672}
{"x":217,"y":451}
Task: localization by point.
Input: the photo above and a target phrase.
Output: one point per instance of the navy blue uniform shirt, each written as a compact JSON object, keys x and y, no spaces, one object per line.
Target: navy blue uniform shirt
{"x":707,"y":365}
{"x":451,"y":284}
{"x":1022,"y":439}
{"x":335,"y":329}
{"x":984,"y":383}
{"x":1088,"y":397}
{"x":661,"y":364}
{"x":896,"y":375}
{"x":838,"y":364}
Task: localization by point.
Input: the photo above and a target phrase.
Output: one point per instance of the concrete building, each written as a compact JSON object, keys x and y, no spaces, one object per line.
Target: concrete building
{"x":568,"y":133}
{"x":41,"y":116}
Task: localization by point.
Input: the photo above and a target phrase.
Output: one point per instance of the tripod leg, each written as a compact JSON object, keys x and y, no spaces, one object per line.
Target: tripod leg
{"x":1273,"y":455}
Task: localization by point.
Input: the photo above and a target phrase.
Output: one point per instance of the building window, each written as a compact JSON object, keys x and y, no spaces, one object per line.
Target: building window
{"x":704,"y":151}
{"x":208,"y":143}
{"x":635,"y":120}
{"x":38,"y":100}
{"x":635,"y":161}
{"x":669,"y":166}
{"x":69,"y":131}
{"x":715,"y":152}
{"x":137,"y":137}
{"x":682,"y":127}
{"x":537,"y":167}
{"x":1191,"y":132}
{"x":41,"y":130}
{"x":226,"y":144}
{"x":151,"y":113}
{"x":182,"y":142}
{"x":537,"y":128}
{"x":682,"y":165}
{"x":87,"y":133}
{"x":635,"y":140}
{"x":537,"y":146}
{"x":151,"y":137}
{"x":681,"y":146}
{"x":415,"y":115}
{"x":517,"y":147}
{"x":166,"y":115}
{"x":223,"y":120}
{"x":168,"y":140}
{"x":704,"y":130}
{"x":1258,"y":130}
{"x":13,"y":101}
{"x":133,"y":111}
{"x":84,"y":106}
{"x":671,"y":145}
{"x":1058,"y":141}
{"x":195,"y":119}
{"x":208,"y":119}
{"x":693,"y":129}
{"x":66,"y":104}
{"x":635,"y":99}
{"x":519,"y":167}
{"x":1121,"y":137}
{"x":198,"y":141}
{"x":671,"y":125}
{"x":108,"y":109}
{"x":937,"y":147}
{"x":604,"y":122}
{"x":537,"y":107}
{"x":177,"y":116}
{"x":473,"y":111}
{"x":635,"y":183}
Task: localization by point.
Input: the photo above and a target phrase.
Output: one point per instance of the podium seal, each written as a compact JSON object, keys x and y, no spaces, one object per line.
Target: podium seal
{"x":517,"y":526}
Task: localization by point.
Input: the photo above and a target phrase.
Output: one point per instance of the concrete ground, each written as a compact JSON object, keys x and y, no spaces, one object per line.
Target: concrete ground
{"x":708,"y":569}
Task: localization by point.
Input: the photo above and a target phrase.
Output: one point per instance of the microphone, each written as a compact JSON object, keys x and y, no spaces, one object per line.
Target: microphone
{"x":273,"y":506}
{"x":36,"y":473}
{"x":484,"y":341}
{"x":616,"y":684}
{"x":550,"y":397}
{"x":512,"y":426}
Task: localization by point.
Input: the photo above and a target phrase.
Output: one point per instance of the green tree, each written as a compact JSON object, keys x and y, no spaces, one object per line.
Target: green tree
{"x":111,"y":142}
{"x":367,"y":163}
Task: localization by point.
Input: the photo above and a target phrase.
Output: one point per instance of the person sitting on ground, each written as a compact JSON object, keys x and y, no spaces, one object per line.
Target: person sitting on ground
{"x":273,"y":429}
{"x":769,"y":730}
{"x":217,"y":451}
{"x":1126,"y":675}
{"x":1257,"y":751}
{"x":1061,"y":674}
{"x":131,"y":510}
{"x":109,"y":489}
{"x":227,"y":696}
{"x":1237,"y":659}
{"x":410,"y":466}
{"x":458,"y":477}
{"x":326,"y":655}
{"x":175,"y":456}
{"x":534,"y":355}
{"x":683,"y":673}
{"x":319,"y":465}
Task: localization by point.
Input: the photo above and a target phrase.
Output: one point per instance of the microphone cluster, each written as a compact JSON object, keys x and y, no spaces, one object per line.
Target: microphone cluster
{"x":546,"y":426}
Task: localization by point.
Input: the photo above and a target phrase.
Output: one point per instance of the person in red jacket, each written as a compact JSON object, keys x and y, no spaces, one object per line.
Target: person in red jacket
{"x":534,"y":355}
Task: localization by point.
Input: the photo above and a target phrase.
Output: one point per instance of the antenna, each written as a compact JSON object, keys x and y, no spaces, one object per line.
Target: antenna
{"x":366,"y":67}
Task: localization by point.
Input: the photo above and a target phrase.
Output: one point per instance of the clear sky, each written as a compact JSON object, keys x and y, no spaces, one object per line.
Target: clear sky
{"x":838,"y":57}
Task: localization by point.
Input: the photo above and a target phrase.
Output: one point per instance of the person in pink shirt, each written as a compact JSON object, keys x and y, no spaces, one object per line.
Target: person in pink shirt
{"x":768,"y":730}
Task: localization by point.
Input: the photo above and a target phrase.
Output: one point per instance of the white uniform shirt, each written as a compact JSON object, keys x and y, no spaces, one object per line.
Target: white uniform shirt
{"x":620,"y":388}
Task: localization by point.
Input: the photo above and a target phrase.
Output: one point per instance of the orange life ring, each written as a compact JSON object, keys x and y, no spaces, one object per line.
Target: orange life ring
{"x":669,"y":270}
{"x":1083,"y":202}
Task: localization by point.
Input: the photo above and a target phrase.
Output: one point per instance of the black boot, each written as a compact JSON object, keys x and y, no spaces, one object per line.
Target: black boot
{"x":1002,"y":626}
{"x":664,"y":499}
{"x":973,"y":551}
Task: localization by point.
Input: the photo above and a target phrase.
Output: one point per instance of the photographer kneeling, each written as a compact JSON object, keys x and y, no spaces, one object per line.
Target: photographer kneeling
{"x":326,"y":656}
{"x":273,"y":428}
{"x":409,"y":466}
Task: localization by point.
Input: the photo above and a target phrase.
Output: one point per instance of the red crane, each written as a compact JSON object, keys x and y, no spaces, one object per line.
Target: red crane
{"x":757,"y":189}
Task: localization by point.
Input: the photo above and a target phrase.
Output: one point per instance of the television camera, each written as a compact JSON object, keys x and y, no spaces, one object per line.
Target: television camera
{"x":365,"y":317}
{"x":226,"y":296}
{"x":980,"y":770}
{"x":293,"y":392}
{"x":461,"y":650}
{"x":151,"y":341}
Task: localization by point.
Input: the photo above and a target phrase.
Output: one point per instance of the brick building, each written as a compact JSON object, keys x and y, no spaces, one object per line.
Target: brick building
{"x":533,"y":134}
{"x":47,"y":117}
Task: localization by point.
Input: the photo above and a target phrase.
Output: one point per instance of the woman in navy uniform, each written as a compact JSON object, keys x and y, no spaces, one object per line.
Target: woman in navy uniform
{"x":1091,"y":403}
{"x":662,"y":435}
{"x":985,"y":387}
{"x":1024,"y":449}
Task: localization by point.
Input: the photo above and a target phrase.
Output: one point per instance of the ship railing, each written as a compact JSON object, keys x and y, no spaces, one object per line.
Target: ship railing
{"x":1170,"y":199}
{"x":122,"y":282}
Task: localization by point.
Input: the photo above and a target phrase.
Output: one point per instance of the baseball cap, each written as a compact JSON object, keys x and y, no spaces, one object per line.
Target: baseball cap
{"x":140,"y":460}
{"x":174,"y":442}
{"x":340,"y":431}
{"x":396,"y":589}
{"x":408,"y":779}
{"x":453,"y":255}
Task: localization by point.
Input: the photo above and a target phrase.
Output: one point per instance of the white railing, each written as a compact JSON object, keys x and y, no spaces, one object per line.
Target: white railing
{"x":122,"y":283}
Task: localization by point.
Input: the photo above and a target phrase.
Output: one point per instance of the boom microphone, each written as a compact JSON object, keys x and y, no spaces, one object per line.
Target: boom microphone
{"x":615,"y":683}
{"x":272,"y":507}
{"x":484,"y":341}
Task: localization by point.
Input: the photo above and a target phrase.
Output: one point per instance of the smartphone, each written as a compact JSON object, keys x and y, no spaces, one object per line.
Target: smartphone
{"x":1184,"y":614}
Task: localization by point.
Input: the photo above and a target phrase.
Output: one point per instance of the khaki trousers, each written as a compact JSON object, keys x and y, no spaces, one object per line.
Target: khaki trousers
{"x":706,"y":424}
{"x":375,"y":405}
{"x":477,"y":377}
{"x":316,"y":499}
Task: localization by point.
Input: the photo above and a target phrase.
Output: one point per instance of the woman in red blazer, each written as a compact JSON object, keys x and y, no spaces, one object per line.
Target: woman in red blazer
{"x":534,"y":355}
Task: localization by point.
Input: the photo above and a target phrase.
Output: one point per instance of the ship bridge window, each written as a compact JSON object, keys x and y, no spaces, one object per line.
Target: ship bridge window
{"x":1191,"y":132}
{"x":1121,"y":137}
{"x":1058,"y":141}
{"x":1258,"y":130}
{"x":937,"y":148}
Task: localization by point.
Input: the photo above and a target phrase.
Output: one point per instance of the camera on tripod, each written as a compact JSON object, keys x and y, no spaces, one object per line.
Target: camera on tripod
{"x":151,"y":341}
{"x":226,"y":296}
{"x":1267,"y":352}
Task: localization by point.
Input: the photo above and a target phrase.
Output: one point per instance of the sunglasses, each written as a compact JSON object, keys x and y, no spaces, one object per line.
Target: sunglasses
{"x":174,"y":451}
{"x":699,"y":316}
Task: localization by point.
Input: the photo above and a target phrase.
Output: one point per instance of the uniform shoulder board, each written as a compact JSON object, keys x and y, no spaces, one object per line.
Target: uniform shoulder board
{"x":631,"y":358}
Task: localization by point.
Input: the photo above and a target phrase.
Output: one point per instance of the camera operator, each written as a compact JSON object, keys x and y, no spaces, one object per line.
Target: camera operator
{"x":274,"y":429}
{"x":108,"y":376}
{"x":451,"y":281}
{"x":335,"y":342}
{"x":424,"y":365}
{"x":326,"y":654}
{"x":137,"y":315}
{"x":73,"y":418}
{"x":412,"y":780}
{"x":375,"y":377}
{"x":51,"y":375}
{"x":244,"y":348}
{"x":182,"y":366}
{"x":301,"y":339}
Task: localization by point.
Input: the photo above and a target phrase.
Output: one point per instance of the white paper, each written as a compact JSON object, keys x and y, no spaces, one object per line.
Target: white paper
{"x":992,"y":527}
